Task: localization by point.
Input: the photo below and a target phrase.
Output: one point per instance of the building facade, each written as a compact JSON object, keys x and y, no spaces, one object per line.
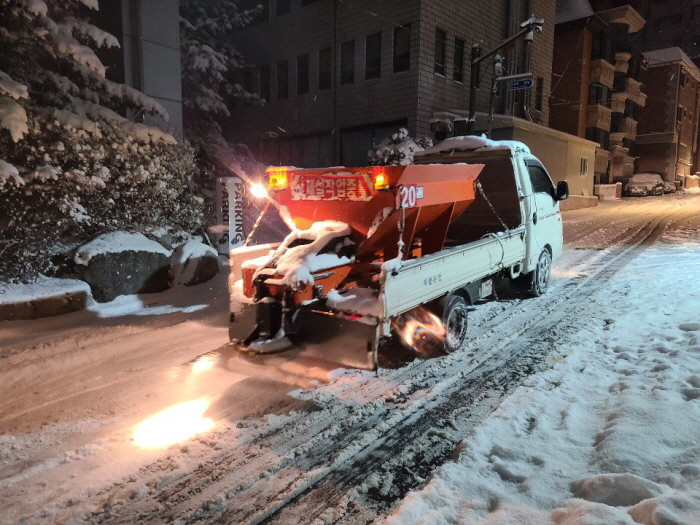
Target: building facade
{"x":148,"y":58}
{"x":671,"y":23}
{"x":596,"y":89}
{"x":341,"y":75}
{"x":668,"y":126}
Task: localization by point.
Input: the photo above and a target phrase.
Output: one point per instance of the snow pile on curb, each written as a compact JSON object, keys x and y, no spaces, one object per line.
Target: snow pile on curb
{"x":44,"y":287}
{"x":296,"y":264}
{"x":608,"y":435}
{"x":116,"y":242}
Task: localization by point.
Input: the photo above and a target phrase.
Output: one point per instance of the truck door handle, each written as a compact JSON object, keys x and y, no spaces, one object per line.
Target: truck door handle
{"x":534,"y":218}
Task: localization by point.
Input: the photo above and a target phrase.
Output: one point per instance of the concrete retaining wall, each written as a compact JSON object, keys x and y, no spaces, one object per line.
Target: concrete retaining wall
{"x":606,"y":192}
{"x":44,"y":306}
{"x":577,"y":202}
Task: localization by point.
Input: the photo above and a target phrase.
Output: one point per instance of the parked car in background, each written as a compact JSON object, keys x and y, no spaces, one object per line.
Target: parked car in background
{"x":648,"y":184}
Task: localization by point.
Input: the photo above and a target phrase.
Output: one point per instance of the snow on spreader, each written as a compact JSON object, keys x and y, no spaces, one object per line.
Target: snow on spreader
{"x":369,"y":254}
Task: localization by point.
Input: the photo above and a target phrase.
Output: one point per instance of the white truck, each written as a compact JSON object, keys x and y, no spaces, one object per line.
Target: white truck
{"x":408,"y":249}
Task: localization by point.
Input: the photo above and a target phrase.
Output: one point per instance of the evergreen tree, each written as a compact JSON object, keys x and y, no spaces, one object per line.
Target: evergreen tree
{"x":72,"y":165}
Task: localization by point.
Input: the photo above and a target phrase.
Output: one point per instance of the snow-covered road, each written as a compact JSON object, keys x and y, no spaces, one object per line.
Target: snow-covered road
{"x":289,"y":442}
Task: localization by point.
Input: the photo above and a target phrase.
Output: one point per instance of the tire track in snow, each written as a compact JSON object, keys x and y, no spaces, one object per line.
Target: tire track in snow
{"x":505,"y":375}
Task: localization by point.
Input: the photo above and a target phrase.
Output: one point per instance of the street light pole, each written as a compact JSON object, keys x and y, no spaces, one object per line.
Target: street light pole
{"x":473,"y":84}
{"x":528,"y":28}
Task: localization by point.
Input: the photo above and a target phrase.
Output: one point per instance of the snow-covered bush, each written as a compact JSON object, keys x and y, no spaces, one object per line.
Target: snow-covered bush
{"x":71,"y":165}
{"x":397,"y":150}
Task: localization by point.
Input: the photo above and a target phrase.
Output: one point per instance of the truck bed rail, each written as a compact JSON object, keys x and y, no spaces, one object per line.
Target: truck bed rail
{"x":427,"y":278}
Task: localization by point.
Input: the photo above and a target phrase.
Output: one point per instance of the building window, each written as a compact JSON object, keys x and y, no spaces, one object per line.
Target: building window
{"x":402,"y":48}
{"x":303,"y":74}
{"x":251,"y":80}
{"x":583,"y":171}
{"x":667,"y":22}
{"x":325,"y":68}
{"x":598,"y":95}
{"x":282,"y":79}
{"x":283,"y":7}
{"x":265,"y":83}
{"x":598,"y":135}
{"x":539,"y":93}
{"x":440,"y":43}
{"x":347,"y":62}
{"x":459,"y":60}
{"x":602,"y":47}
{"x":373,"y":56}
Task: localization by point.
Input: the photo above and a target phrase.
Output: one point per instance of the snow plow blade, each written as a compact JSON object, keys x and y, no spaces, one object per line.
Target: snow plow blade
{"x":339,"y":340}
{"x":316,"y":334}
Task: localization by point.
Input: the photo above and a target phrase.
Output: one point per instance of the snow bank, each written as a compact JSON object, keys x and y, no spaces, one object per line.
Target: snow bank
{"x":116,"y":242}
{"x":608,"y":435}
{"x":358,"y":301}
{"x":474,"y":143}
{"x":296,"y":264}
{"x":44,"y":287}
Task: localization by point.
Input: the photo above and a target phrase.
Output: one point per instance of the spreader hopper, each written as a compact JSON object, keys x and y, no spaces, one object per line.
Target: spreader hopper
{"x":380,"y":204}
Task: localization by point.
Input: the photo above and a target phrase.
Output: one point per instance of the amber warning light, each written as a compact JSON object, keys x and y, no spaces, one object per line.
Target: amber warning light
{"x":276,"y":178}
{"x":380,"y":182}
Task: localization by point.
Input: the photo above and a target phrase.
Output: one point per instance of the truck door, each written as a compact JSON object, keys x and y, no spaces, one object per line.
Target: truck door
{"x":546,"y":217}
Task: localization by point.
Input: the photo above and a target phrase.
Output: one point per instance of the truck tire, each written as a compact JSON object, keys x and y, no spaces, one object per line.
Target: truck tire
{"x":455,"y":310}
{"x":539,"y":278}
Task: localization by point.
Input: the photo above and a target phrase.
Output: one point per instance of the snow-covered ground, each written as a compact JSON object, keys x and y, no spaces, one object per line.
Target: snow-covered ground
{"x":609,"y":435}
{"x":601,"y":429}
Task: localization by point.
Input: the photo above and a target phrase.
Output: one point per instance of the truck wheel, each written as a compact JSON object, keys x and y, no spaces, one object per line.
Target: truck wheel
{"x":454,"y":318}
{"x":539,"y":278}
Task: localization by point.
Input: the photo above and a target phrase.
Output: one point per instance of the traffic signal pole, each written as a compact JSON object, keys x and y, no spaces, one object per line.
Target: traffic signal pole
{"x":528,"y":28}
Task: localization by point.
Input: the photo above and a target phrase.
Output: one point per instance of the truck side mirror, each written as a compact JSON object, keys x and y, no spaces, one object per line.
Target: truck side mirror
{"x":562,"y":190}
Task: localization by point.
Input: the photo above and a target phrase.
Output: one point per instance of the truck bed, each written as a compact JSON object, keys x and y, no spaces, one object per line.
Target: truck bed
{"x":427,"y":278}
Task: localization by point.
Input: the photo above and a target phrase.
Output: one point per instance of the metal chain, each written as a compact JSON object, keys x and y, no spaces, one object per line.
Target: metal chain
{"x":257,"y":223}
{"x":481,"y":190}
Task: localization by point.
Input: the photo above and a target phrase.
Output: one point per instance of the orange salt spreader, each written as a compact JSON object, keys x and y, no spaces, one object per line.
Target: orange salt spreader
{"x":304,"y":294}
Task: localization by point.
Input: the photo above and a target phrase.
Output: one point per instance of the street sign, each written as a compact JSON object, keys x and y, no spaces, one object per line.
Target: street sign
{"x":523,"y":83}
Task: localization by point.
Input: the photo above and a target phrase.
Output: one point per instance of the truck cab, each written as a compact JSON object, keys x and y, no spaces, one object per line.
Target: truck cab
{"x":515,"y":192}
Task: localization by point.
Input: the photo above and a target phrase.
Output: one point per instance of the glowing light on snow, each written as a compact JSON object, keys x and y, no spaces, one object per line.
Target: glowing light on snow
{"x":258,"y":190}
{"x":203,"y":364}
{"x":173,"y":425}
{"x":420,"y":330}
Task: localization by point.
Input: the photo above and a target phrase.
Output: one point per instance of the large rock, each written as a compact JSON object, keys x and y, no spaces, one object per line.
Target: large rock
{"x":121,"y":263}
{"x":193,"y":263}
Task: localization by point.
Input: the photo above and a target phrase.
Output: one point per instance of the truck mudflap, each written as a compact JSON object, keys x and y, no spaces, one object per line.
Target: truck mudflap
{"x":317,"y":334}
